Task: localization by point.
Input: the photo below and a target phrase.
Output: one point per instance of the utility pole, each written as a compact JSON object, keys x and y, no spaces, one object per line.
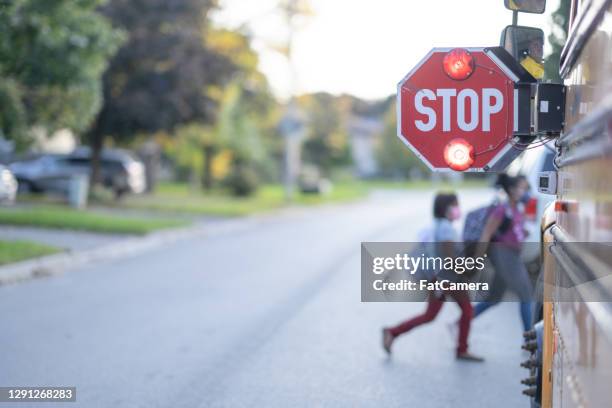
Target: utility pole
{"x":292,"y":124}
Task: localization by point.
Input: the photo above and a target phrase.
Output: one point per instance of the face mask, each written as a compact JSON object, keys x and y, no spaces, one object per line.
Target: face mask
{"x":454,"y":213}
{"x":525,"y":197}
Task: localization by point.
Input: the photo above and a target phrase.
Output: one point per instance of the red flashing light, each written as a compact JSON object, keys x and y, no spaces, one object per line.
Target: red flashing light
{"x":531,"y":209}
{"x":566,"y":206}
{"x":458,"y":64}
{"x":459,"y":154}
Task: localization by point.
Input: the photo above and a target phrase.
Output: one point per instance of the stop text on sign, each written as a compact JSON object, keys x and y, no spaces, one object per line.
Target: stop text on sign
{"x":471,"y":109}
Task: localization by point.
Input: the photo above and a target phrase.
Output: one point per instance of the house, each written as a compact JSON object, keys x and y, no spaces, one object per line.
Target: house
{"x":363,"y":131}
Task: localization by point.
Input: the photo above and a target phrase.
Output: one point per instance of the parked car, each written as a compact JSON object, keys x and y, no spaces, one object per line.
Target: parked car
{"x":312,"y":182}
{"x":8,"y":185}
{"x":120,"y":171}
{"x":42,"y":174}
{"x":529,"y":164}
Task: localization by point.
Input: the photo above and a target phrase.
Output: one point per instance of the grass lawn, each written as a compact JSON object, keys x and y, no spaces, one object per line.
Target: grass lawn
{"x":180,"y":198}
{"x":67,"y":218}
{"x":15,"y":251}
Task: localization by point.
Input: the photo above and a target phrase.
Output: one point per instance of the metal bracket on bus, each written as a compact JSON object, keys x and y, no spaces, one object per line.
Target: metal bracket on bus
{"x":549,"y":112}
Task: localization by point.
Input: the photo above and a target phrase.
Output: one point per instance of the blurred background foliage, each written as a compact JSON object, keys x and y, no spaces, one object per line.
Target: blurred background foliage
{"x":394,"y":160}
{"x":556,"y":39}
{"x":52,"y":56}
{"x":135,"y":73}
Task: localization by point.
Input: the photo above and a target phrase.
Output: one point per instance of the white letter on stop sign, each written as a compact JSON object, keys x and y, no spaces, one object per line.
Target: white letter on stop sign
{"x":488,"y":109}
{"x":431,"y":114}
{"x":471,"y":125}
{"x":446,"y":94}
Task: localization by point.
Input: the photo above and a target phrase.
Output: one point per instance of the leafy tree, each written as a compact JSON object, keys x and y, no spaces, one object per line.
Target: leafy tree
{"x":236,"y":133}
{"x":52,"y":55}
{"x":326,"y":144}
{"x":394,"y":159}
{"x":184,"y":148}
{"x":557,"y":38}
{"x":246,"y":108}
{"x":13,"y":123}
{"x":243,"y":116}
{"x":162,"y":75}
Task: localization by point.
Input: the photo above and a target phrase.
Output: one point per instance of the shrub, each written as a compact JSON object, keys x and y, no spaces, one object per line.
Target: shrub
{"x":242,"y":181}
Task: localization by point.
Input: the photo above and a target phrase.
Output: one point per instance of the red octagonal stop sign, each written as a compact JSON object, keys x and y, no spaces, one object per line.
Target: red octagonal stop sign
{"x":458,"y":109}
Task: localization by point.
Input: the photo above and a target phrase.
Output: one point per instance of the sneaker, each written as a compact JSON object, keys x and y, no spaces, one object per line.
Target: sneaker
{"x":387,"y":340}
{"x":467,"y":356}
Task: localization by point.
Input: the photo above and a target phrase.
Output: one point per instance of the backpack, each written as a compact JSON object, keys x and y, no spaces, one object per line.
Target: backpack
{"x":475,"y":222}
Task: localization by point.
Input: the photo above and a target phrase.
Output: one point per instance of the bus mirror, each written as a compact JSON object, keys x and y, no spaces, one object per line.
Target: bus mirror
{"x":526,"y":6}
{"x":526,"y":45}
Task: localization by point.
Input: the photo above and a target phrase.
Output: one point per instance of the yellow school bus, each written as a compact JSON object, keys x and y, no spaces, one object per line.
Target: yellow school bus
{"x":573,"y":339}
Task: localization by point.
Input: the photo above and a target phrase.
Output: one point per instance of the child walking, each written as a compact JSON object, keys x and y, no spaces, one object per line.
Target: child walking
{"x":445,"y":211}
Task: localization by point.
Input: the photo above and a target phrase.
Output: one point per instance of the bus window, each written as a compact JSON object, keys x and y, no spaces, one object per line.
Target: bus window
{"x":526,"y":44}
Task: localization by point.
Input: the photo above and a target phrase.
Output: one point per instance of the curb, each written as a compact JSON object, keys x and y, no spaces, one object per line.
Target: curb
{"x":57,"y":264}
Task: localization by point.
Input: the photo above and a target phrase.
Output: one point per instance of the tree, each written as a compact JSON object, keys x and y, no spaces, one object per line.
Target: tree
{"x":557,"y":38}
{"x":234,"y":139}
{"x":245,"y":107}
{"x":52,"y":55}
{"x":394,"y":158}
{"x":13,"y":122}
{"x":162,"y":75}
{"x":326,"y":144}
{"x":243,"y":116}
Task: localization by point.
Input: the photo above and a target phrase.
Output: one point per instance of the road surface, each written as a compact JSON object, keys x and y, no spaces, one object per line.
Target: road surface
{"x":264,"y":315}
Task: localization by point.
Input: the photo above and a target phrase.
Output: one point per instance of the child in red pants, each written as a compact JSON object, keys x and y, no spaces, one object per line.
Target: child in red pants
{"x":434,"y":305}
{"x":446,"y":210}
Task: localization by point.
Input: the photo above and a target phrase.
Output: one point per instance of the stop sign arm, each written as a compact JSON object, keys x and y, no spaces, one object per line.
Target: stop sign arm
{"x":524,"y":85}
{"x":524,"y":91}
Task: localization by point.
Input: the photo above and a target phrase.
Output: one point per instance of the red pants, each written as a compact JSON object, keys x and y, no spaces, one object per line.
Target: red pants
{"x":434,"y":305}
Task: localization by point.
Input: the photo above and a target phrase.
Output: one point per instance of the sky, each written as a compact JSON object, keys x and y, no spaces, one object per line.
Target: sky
{"x":365,"y":47}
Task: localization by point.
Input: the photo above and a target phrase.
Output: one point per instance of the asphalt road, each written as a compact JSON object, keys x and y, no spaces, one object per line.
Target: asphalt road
{"x":264,"y":315}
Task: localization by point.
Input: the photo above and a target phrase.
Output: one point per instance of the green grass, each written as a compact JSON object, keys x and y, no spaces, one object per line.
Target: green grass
{"x":67,"y":218}
{"x":15,"y":251}
{"x":180,"y":198}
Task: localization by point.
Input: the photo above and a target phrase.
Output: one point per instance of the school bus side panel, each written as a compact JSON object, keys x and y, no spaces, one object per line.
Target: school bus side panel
{"x":582,"y":334}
